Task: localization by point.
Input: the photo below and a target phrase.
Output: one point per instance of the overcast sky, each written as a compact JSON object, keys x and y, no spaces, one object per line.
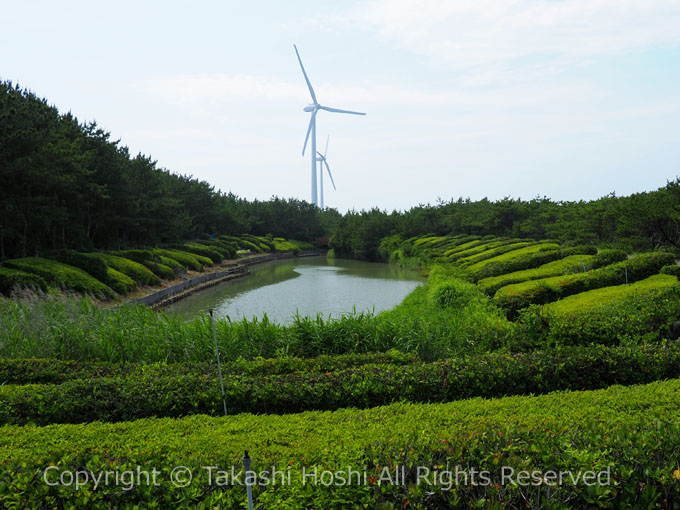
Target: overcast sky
{"x":570,"y":99}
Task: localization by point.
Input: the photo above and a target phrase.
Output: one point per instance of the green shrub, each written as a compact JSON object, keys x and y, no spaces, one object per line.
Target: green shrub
{"x":11,"y":279}
{"x":453,"y":293}
{"x":62,"y":275}
{"x":462,"y":248}
{"x":672,"y":269}
{"x":608,"y":257}
{"x":172,"y":264}
{"x":507,"y":252}
{"x":141,"y":256}
{"x":147,"y":393}
{"x":91,"y":265}
{"x":632,"y":434}
{"x":631,"y":313}
{"x":119,"y":282}
{"x":186,"y":259}
{"x":589,"y":300}
{"x":225,"y":249}
{"x":44,"y":371}
{"x":160,"y":270}
{"x":475,"y":250}
{"x":570,"y":264}
{"x":203,"y":251}
{"x":248,"y":245}
{"x":138,"y":272}
{"x":520,"y":295}
{"x":530,"y":260}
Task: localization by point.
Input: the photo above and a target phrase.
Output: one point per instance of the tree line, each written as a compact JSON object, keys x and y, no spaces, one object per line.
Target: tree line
{"x":66,"y":184}
{"x":642,"y":221}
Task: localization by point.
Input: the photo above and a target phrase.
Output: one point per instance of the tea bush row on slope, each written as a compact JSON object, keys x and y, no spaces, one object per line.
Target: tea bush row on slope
{"x":532,"y":267}
{"x":99,"y":273}
{"x":641,"y":311}
{"x":520,"y":295}
{"x":522,"y":261}
{"x":62,"y":275}
{"x":632,"y":435}
{"x":566,"y":265}
{"x":150,"y":393}
{"x":11,"y":279}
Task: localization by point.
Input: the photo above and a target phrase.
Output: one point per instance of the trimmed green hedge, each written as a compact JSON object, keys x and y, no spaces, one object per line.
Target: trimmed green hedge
{"x":672,"y":269}
{"x":160,"y":270}
{"x":172,"y":264}
{"x":147,"y":394}
{"x":530,"y":261}
{"x":642,"y":311}
{"x":119,"y":282}
{"x":42,"y":371}
{"x":91,"y":265}
{"x":12,"y":279}
{"x":520,"y":295}
{"x":203,"y":251}
{"x":62,"y":275}
{"x":608,"y":257}
{"x":570,"y":264}
{"x":136,"y":271}
{"x":631,"y":434}
{"x":187,"y":260}
{"x":508,"y":252}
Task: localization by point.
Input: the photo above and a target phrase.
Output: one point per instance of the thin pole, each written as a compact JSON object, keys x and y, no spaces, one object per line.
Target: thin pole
{"x":314,"y":198}
{"x":219,"y":367}
{"x":249,"y":488}
{"x":321,"y":183}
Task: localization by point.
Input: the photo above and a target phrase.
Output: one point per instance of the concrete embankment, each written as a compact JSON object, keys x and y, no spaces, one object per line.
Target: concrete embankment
{"x":186,"y":288}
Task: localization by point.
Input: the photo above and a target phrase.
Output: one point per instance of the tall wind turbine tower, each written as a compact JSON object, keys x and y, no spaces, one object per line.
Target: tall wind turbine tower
{"x":321,"y":158}
{"x":314,"y":108}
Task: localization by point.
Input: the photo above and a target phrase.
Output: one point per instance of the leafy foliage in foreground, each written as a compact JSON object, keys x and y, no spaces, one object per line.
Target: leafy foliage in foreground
{"x":633,"y":432}
{"x":180,"y":390}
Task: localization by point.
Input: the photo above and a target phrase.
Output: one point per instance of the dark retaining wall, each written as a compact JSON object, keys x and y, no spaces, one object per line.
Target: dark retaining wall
{"x":179,"y":291}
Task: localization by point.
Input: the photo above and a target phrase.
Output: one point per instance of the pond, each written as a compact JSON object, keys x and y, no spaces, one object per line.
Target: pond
{"x":282,"y":288}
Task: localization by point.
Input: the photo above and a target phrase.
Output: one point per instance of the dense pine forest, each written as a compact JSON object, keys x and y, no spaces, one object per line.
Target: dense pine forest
{"x":67,"y":184}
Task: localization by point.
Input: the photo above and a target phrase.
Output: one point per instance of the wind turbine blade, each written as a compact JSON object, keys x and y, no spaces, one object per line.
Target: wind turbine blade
{"x":311,"y":90}
{"x":326,"y":151}
{"x":329,"y":173}
{"x":336,"y":110}
{"x":309,"y":130}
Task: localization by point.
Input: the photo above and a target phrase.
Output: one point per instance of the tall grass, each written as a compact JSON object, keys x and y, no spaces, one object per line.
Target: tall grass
{"x":70,"y":328}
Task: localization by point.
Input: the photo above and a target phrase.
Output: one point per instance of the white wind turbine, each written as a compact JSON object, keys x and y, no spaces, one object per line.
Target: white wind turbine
{"x":314,"y":108}
{"x":322,"y":159}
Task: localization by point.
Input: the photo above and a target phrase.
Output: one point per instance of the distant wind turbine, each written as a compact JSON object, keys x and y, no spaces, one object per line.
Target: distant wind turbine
{"x":322,"y":159}
{"x":314,"y":108}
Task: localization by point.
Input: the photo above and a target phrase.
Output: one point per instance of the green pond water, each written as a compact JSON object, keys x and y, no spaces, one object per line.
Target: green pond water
{"x":307,"y":286}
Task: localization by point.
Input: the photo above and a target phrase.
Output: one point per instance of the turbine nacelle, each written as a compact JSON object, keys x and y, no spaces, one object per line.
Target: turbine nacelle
{"x":310,"y":108}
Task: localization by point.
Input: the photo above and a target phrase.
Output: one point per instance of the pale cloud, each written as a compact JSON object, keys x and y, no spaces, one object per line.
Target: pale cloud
{"x":209,"y":90}
{"x":483,"y":32}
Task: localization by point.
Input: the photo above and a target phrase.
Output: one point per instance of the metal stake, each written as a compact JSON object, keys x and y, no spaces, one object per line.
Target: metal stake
{"x":249,"y":488}
{"x":219,"y":367}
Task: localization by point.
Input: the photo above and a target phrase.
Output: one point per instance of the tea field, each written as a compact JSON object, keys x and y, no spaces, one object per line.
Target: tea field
{"x":516,"y":356}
